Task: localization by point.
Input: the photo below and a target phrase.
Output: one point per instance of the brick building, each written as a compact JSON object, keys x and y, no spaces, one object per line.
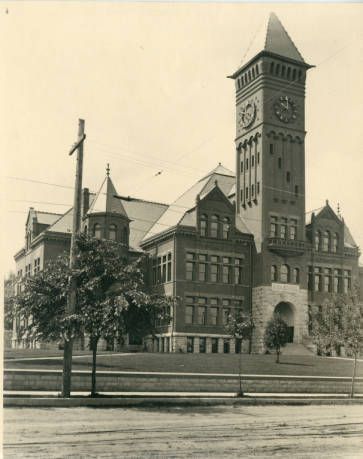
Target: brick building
{"x":234,"y":241}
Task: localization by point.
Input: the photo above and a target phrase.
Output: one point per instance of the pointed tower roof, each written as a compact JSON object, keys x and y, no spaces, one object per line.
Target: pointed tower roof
{"x":272,"y":38}
{"x":105,"y":201}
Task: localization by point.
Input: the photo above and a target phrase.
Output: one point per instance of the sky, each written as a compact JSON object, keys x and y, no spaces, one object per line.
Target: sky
{"x":150,"y":81}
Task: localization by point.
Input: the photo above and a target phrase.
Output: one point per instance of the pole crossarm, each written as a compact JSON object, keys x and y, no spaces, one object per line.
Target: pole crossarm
{"x":77,"y":144}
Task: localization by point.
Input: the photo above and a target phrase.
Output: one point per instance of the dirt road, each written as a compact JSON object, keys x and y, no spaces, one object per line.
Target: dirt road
{"x":258,"y":431}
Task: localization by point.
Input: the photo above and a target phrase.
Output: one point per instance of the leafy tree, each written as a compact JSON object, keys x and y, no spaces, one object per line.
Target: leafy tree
{"x":326,"y":325}
{"x":9,"y":293}
{"x":240,"y":327}
{"x":338,"y":323}
{"x":112,"y":299}
{"x":276,"y":335}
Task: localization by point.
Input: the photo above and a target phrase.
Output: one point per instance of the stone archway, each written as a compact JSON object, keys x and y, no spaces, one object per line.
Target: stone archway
{"x":286,"y":312}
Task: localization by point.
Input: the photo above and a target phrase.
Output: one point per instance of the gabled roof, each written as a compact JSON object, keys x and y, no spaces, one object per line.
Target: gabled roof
{"x":105,"y":200}
{"x":273,"y":38}
{"x":176,"y":211}
{"x":46,"y":218}
{"x":63,"y":224}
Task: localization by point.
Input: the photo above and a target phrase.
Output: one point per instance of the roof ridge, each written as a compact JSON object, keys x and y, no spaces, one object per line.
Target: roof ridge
{"x":49,"y":213}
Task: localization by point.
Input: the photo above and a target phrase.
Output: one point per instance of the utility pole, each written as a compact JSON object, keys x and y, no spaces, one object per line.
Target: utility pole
{"x":72,"y":292}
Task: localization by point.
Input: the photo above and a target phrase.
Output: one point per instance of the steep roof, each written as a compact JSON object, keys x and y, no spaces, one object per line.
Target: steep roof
{"x":272,"y":37}
{"x":105,"y":200}
{"x":143,"y":215}
{"x":175,"y":213}
{"x":46,"y":218}
{"x":63,"y":224}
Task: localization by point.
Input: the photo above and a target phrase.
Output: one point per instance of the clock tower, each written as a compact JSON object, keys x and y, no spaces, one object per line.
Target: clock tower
{"x":270,"y":175}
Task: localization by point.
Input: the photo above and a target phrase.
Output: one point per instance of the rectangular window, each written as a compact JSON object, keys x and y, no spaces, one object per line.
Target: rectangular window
{"x":237,"y":273}
{"x":213,"y":313}
{"x":226,"y":346}
{"x":202,"y":268}
{"x":252,"y":190}
{"x":327,"y":280}
{"x":189,"y":314}
{"x":190,"y":266}
{"x":168,"y":277}
{"x":241,"y":166}
{"x":241,"y":195}
{"x":163,"y":279}
{"x":279,"y":163}
{"x":202,"y":345}
{"x":247,"y":164}
{"x":226,"y":270}
{"x":258,"y":187}
{"x":214,"y":269}
{"x":252,"y":161}
{"x":288,"y":177}
{"x":202,"y":315}
{"x":159,"y":269}
{"x":214,"y":345}
{"x":273,"y":226}
{"x":246,"y":193}
{"x":293,"y":229}
{"x":190,"y":344}
{"x":258,"y":157}
{"x":283,"y":228}
{"x":271,"y":149}
{"x":226,"y":314}
{"x":317,"y":280}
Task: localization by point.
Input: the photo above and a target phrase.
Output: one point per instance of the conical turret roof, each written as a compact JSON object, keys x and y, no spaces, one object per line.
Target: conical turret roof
{"x":105,"y":201}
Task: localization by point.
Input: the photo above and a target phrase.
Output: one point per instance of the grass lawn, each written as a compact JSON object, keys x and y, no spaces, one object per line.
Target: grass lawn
{"x":191,"y":363}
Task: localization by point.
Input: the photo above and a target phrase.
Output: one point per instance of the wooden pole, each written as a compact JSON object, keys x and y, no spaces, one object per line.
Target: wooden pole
{"x":72,"y":293}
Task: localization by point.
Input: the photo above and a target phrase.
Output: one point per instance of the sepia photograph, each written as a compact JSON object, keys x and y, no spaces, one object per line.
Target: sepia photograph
{"x":182,"y":211}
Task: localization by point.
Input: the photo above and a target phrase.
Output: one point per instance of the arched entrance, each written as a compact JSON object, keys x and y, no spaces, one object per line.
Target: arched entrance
{"x":286,"y":312}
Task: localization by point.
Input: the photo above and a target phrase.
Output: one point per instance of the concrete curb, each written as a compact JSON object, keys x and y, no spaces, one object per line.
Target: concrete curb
{"x":155,"y":401}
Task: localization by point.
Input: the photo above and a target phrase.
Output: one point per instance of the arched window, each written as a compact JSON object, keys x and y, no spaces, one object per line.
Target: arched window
{"x":317,"y":240}
{"x":203,"y":225}
{"x":295,"y":276}
{"x":85,"y":229}
{"x":294,"y":74}
{"x":112,"y":232}
{"x":97,"y":231}
{"x":272,"y":67}
{"x":326,"y":241}
{"x":214,"y":226}
{"x":225,"y":228}
{"x":273,"y":273}
{"x":285,"y":274}
{"x":335,"y":242}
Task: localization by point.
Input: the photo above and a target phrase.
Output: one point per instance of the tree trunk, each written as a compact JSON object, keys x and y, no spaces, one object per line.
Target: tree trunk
{"x":240,"y":393}
{"x":353,"y":377}
{"x":277,"y":355}
{"x":94,"y":342}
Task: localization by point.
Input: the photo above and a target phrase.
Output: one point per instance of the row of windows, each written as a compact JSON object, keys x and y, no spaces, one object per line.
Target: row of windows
{"x":214,"y":345}
{"x":36,"y":265}
{"x":251,"y":164}
{"x":203,"y":311}
{"x":161,"y":269}
{"x":214,"y":226}
{"x":112,"y":232}
{"x":285,"y":274}
{"x":329,"y":280}
{"x":326,"y":242}
{"x":282,"y":71}
{"x":283,"y":227}
{"x":212,"y":268}
{"x":247,"y":195}
{"x":248,"y":76}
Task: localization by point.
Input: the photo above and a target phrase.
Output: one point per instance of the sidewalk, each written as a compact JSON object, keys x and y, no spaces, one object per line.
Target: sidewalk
{"x":38,"y":399}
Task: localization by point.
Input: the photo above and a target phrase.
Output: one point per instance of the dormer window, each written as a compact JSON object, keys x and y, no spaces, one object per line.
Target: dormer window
{"x":97,"y":231}
{"x":214,"y":226}
{"x":225,"y":228}
{"x":326,"y":241}
{"x":112,"y":232}
{"x":335,"y":243}
{"x":203,"y":225}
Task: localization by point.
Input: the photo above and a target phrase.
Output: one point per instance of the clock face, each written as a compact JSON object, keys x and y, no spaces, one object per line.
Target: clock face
{"x":247,"y":114}
{"x":285,"y":109}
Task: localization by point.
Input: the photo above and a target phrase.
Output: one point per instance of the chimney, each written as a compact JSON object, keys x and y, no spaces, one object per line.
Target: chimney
{"x":85,"y":201}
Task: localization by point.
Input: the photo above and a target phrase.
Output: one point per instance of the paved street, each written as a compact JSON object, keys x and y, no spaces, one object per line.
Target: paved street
{"x":259,"y":431}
